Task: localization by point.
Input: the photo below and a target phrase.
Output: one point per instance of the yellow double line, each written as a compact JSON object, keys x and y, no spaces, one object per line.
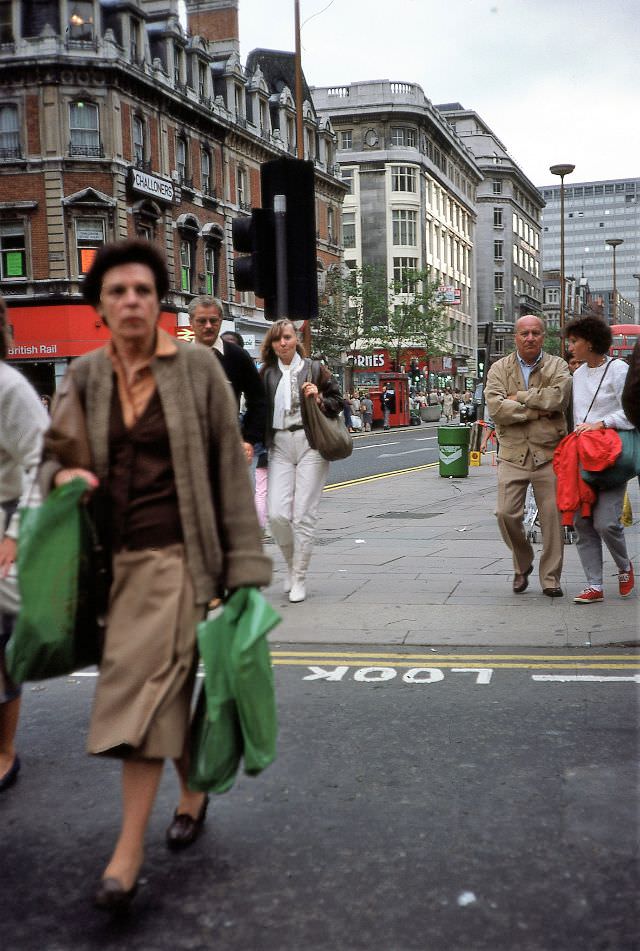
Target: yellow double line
{"x":283,"y":658}
{"x":379,"y":475}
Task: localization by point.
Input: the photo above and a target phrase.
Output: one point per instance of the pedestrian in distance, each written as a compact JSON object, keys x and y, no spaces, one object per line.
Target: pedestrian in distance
{"x":366,"y":408}
{"x":597,"y":405}
{"x":447,"y":405}
{"x":23,"y":420}
{"x":346,"y":410}
{"x":232,"y":336}
{"x":527,"y":393}
{"x":297,"y":471}
{"x":165,"y":451}
{"x":206,"y":315}
{"x":388,"y":404}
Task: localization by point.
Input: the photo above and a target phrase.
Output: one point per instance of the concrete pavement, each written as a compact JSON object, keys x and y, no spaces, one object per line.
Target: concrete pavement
{"x":417,"y":559}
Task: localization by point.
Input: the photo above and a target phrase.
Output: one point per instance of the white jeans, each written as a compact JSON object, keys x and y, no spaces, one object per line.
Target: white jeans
{"x":297,"y":475}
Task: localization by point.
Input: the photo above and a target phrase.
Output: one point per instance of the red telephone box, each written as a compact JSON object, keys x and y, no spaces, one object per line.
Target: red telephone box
{"x":400,"y":384}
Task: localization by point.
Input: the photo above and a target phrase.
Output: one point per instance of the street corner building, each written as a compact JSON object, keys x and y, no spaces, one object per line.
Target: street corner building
{"x":118,"y":120}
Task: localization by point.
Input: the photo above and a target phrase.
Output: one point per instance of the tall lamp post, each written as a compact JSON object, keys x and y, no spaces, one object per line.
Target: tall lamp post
{"x":614,"y":243}
{"x":561,"y":170}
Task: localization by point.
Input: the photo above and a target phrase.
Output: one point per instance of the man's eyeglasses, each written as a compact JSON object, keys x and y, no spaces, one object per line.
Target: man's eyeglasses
{"x":203,"y":321}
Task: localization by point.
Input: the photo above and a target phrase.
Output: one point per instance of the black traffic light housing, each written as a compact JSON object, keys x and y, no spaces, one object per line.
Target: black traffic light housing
{"x":280,"y":238}
{"x":482,"y":363}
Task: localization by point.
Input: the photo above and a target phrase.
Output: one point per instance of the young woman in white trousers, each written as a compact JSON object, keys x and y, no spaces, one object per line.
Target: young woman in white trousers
{"x":297,"y":471}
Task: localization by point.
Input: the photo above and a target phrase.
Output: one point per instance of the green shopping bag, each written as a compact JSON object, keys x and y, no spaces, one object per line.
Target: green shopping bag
{"x":236,"y":711}
{"x":55,"y":631}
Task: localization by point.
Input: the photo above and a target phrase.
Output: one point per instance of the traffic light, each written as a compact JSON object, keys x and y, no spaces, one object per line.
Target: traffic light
{"x":256,"y":269}
{"x":482,"y":362}
{"x":279,"y":242}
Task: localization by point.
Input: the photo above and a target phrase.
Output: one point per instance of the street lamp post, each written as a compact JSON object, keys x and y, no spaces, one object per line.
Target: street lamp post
{"x":614,"y":243}
{"x":562,"y":170}
{"x":637,"y":277}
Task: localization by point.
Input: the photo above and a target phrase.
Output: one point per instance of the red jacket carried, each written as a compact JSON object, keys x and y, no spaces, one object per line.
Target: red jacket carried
{"x":593,"y":450}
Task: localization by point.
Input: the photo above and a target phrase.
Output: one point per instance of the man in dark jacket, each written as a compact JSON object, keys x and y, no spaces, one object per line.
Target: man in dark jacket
{"x":206,"y":314}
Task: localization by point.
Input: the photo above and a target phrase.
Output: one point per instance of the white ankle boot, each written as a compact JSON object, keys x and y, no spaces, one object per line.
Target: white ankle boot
{"x":298,"y":591}
{"x":286,"y":584}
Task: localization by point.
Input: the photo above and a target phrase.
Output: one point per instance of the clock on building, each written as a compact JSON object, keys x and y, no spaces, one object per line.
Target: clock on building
{"x":371,"y":138}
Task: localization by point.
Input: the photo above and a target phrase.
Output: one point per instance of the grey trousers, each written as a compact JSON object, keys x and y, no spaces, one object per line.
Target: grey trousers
{"x":603,"y":525}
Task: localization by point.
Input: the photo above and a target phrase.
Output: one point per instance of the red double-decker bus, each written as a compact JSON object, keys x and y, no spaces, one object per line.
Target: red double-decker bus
{"x":624,"y":340}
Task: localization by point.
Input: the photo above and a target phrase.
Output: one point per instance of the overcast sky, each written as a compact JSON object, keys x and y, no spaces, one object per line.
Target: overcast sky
{"x":557,"y":80}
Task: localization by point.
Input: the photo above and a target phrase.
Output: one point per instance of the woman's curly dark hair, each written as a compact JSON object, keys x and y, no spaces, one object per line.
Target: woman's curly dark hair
{"x":124,"y":252}
{"x":592,"y":329}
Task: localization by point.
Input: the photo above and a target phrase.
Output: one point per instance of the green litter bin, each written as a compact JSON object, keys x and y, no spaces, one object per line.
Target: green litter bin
{"x":453,"y":450}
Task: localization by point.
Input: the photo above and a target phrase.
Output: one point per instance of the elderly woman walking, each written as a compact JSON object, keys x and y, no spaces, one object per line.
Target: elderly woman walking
{"x":598,"y":385}
{"x":23,"y":420}
{"x":297,"y":471}
{"x":152,"y":422}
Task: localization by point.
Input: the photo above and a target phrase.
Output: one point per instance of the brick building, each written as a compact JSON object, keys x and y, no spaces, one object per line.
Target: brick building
{"x":115,"y":121}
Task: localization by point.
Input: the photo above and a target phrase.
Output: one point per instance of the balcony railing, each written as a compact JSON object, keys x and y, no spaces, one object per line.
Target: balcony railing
{"x":92,"y":151}
{"x":10,"y":153}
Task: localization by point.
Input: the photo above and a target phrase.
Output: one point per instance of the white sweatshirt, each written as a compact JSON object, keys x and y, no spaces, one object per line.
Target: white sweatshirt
{"x":607,"y":405}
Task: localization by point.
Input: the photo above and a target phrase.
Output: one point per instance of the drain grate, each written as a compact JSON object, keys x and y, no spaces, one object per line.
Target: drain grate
{"x":406,"y":515}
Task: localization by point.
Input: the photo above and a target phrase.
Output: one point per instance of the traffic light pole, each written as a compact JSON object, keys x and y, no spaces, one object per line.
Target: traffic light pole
{"x":306,"y":327}
{"x":280,"y":228}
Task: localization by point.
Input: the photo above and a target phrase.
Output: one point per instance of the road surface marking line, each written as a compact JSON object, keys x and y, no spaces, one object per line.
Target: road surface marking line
{"x":378,"y":475}
{"x":375,"y":445}
{"x":584,"y":678}
{"x":436,"y":662}
{"x":405,"y":452}
{"x":436,"y":656}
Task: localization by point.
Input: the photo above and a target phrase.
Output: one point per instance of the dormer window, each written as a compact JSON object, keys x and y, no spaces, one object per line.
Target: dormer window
{"x":134,"y":39}
{"x":177,"y":64}
{"x":6,"y":22}
{"x":81,"y":22}
{"x":202,"y":79}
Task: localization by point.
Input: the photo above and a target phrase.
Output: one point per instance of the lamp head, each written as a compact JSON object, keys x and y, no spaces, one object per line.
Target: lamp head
{"x":561,"y":170}
{"x":614,"y":242}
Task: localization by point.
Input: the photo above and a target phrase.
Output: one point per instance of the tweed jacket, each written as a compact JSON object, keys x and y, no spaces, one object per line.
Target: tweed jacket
{"x":534,"y":422}
{"x":221,"y":533}
{"x":327,"y":387}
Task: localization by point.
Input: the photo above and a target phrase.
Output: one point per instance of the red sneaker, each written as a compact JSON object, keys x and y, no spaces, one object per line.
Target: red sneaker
{"x":589,"y":596}
{"x":626,"y":582}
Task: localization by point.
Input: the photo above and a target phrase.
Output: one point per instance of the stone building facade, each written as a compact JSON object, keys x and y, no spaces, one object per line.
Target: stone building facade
{"x":411,"y":201}
{"x":508,"y":232}
{"x":116,"y":121}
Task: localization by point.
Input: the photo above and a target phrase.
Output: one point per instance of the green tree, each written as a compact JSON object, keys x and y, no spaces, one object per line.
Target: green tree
{"x":353,"y":301}
{"x":418,"y":318}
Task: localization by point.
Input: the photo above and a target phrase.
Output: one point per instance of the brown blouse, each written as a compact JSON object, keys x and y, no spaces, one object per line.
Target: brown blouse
{"x":142,"y":489}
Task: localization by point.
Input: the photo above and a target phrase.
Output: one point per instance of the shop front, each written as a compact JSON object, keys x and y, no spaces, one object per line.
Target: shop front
{"x":44,"y":339}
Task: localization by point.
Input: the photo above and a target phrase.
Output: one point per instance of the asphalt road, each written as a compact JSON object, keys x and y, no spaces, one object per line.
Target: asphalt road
{"x":431,"y":800}
{"x":379,"y":451}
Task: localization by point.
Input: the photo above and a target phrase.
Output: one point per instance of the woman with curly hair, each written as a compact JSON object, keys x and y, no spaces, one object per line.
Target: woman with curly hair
{"x":597,"y":404}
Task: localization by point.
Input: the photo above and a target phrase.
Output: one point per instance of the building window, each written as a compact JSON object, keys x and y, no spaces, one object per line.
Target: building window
{"x":186,"y":265}
{"x":205,"y":170}
{"x":497,"y":186}
{"x":138,"y":141}
{"x":202,"y":79}
{"x":84,"y":129}
{"x":349,"y":229}
{"x":346,"y":174}
{"x":13,"y":259}
{"x":403,"y":269}
{"x":498,"y":281}
{"x":81,"y":20}
{"x":241,"y":187}
{"x":404,"y":227}
{"x":346,"y":140}
{"x":89,"y":237}
{"x":210,"y":269}
{"x":182,"y":160}
{"x":6,"y":22}
{"x":9,"y":132}
{"x":177,"y":65}
{"x":403,"y":179}
{"x":330,"y":225}
{"x":404,"y":137}
{"x":134,"y":36}
{"x":499,"y":313}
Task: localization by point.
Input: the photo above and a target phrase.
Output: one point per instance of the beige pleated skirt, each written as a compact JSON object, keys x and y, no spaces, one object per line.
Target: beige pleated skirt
{"x":142,"y":702}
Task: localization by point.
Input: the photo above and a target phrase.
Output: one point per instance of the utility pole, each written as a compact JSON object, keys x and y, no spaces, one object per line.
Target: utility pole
{"x":306,"y":327}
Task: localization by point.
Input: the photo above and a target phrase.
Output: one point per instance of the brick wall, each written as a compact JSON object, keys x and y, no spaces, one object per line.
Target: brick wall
{"x":32,"y":111}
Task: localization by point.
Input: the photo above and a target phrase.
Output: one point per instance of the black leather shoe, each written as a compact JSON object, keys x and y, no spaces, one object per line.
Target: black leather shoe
{"x":111,"y":896}
{"x":184,"y":830}
{"x":521,"y":582}
{"x":11,"y":774}
{"x":553,"y":592}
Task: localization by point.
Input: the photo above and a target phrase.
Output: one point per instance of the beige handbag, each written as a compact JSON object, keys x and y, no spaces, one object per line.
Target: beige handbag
{"x":330,"y":437}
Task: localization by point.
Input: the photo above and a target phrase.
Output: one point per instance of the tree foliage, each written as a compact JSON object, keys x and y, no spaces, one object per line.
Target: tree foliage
{"x":353,"y":301}
{"x":418,"y":318}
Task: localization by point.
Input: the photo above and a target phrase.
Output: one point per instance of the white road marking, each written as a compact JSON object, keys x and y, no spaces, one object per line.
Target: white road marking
{"x":406,"y":452}
{"x":588,"y":678}
{"x":375,"y":445}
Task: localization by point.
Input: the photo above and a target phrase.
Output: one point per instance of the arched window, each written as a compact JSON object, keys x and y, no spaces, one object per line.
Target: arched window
{"x":213,"y":236}
{"x":188,"y":231}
